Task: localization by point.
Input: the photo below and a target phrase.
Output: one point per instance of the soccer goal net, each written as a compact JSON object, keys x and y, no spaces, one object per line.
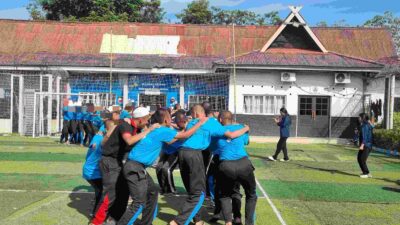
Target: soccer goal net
{"x":32,"y":102}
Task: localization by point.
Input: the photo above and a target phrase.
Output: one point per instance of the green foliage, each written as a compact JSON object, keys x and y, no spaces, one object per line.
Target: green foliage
{"x":389,"y":21}
{"x":97,"y":10}
{"x":322,"y":24}
{"x":388,"y":139}
{"x":199,"y":12}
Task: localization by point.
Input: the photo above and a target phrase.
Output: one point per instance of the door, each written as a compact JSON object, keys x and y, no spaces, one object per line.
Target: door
{"x":153,"y":101}
{"x":314,"y":116}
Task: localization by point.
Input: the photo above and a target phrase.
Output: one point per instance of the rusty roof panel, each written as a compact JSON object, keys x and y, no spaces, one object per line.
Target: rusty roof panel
{"x":17,"y":37}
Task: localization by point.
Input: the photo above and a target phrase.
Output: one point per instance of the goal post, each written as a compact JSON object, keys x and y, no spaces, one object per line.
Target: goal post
{"x":47,"y":111}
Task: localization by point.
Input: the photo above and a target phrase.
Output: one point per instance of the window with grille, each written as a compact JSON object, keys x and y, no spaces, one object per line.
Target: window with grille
{"x":263,"y":104}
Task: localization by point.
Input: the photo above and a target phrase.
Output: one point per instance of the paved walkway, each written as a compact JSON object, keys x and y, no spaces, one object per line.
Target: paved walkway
{"x":300,"y":140}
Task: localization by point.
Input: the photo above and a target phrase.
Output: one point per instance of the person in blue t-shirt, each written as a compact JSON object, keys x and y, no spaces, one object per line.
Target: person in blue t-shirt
{"x":66,"y":125}
{"x":365,"y":144}
{"x":169,"y":158}
{"x":284,"y":122}
{"x":142,"y":189}
{"x":191,"y":163}
{"x":87,"y":124}
{"x":80,"y":113}
{"x":235,"y":167}
{"x":91,"y":170}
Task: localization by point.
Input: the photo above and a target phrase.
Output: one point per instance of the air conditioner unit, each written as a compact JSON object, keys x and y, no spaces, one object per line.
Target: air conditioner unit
{"x":342,"y":78}
{"x":288,"y":77}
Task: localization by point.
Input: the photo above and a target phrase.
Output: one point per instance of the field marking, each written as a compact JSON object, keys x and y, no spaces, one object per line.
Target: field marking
{"x":58,"y":192}
{"x":276,"y":211}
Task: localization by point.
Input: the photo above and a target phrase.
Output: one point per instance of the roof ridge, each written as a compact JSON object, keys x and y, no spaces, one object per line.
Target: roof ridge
{"x":355,"y":58}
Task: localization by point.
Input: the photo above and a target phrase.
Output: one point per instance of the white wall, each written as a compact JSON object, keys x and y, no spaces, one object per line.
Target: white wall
{"x":346,"y":99}
{"x":5,"y":126}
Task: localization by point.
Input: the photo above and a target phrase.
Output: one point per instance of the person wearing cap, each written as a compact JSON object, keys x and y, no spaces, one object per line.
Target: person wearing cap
{"x":116,"y":145}
{"x":169,"y":158}
{"x":172,"y":103}
{"x":191,"y":163}
{"x":142,"y":189}
{"x":91,"y":169}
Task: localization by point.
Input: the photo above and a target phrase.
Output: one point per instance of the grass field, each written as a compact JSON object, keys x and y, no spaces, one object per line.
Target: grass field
{"x":319,"y":186}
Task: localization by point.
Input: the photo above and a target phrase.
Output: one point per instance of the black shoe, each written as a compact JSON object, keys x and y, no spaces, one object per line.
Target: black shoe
{"x":237,"y":221}
{"x":215,"y":218}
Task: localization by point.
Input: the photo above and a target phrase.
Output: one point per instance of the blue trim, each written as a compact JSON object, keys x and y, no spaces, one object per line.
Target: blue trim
{"x":155,"y":212}
{"x":211,"y":186}
{"x":196,"y":209}
{"x":134,"y":218}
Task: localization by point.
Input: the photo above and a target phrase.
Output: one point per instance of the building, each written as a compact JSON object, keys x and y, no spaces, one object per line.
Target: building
{"x":324,"y":76}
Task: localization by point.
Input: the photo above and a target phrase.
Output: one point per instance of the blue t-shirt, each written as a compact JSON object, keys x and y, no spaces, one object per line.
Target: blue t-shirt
{"x":214,"y":146}
{"x":86,"y":116}
{"x":66,"y":115}
{"x":91,"y":169}
{"x":201,"y":139}
{"x":97,"y":121}
{"x":233,"y":149}
{"x":79,"y":116}
{"x":172,"y":148}
{"x":148,"y":149}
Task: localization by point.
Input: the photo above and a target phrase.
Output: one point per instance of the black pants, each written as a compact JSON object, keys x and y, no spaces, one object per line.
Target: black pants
{"x":164,"y":169}
{"x":97,"y":185}
{"x":191,"y":164}
{"x":144,"y":195}
{"x":241,"y":171}
{"x":236,"y":196}
{"x":114,"y":199}
{"x":74,"y":131}
{"x":65,"y":131}
{"x":362,"y":159}
{"x":88,"y":131}
{"x":281,"y":146}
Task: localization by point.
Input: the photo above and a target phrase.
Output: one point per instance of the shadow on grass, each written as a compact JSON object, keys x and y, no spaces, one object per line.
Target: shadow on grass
{"x":391,"y":189}
{"x":332,"y":171}
{"x":176,"y":203}
{"x":82,"y":202}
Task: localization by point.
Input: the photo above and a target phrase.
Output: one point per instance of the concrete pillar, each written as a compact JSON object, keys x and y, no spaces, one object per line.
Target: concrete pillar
{"x":182,"y":91}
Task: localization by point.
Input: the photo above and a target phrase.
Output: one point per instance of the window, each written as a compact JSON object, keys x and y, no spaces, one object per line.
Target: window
{"x":263,"y":104}
{"x":217,"y":102}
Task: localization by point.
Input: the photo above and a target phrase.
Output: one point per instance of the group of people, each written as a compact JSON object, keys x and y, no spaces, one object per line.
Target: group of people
{"x":208,"y":147}
{"x":80,"y":124}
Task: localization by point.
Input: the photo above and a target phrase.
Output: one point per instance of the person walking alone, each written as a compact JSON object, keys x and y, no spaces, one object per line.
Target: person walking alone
{"x":365,"y":144}
{"x":284,"y":122}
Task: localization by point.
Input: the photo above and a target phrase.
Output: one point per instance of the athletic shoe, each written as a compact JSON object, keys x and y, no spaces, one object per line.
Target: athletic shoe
{"x":237,"y":221}
{"x":364,"y":176}
{"x":215,"y":218}
{"x":284,"y":160}
{"x":271,"y":158}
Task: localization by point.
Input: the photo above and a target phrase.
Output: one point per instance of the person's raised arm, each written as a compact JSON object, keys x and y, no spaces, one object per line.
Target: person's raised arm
{"x":238,"y":133}
{"x":191,"y":131}
{"x":108,"y":135}
{"x":133,"y":139}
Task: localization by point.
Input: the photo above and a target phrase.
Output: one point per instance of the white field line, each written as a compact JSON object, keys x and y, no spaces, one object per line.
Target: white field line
{"x":276,"y":211}
{"x":66,"y":192}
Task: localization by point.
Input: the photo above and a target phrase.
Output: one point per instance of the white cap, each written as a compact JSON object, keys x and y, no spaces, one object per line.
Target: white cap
{"x":141,"y":112}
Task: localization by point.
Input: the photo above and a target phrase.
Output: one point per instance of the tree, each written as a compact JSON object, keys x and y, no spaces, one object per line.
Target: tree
{"x":197,"y":12}
{"x":97,"y":10}
{"x":340,"y":23}
{"x":389,"y":21}
{"x":322,"y":24}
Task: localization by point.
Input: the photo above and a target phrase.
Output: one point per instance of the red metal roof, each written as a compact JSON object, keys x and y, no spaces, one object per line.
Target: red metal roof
{"x":18,"y":37}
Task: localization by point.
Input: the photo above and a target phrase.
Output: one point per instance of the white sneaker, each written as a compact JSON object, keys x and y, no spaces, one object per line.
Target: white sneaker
{"x":284,"y":160}
{"x":364,"y":176}
{"x":271,"y":158}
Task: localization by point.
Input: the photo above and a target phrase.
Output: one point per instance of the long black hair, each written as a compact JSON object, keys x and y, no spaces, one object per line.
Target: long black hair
{"x":284,"y":110}
{"x":364,"y":117}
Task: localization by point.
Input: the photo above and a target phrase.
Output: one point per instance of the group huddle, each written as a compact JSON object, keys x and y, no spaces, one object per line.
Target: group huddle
{"x":210,"y":152}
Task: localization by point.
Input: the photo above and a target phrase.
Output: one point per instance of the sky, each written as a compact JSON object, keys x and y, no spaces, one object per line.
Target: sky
{"x":354,"y":12}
